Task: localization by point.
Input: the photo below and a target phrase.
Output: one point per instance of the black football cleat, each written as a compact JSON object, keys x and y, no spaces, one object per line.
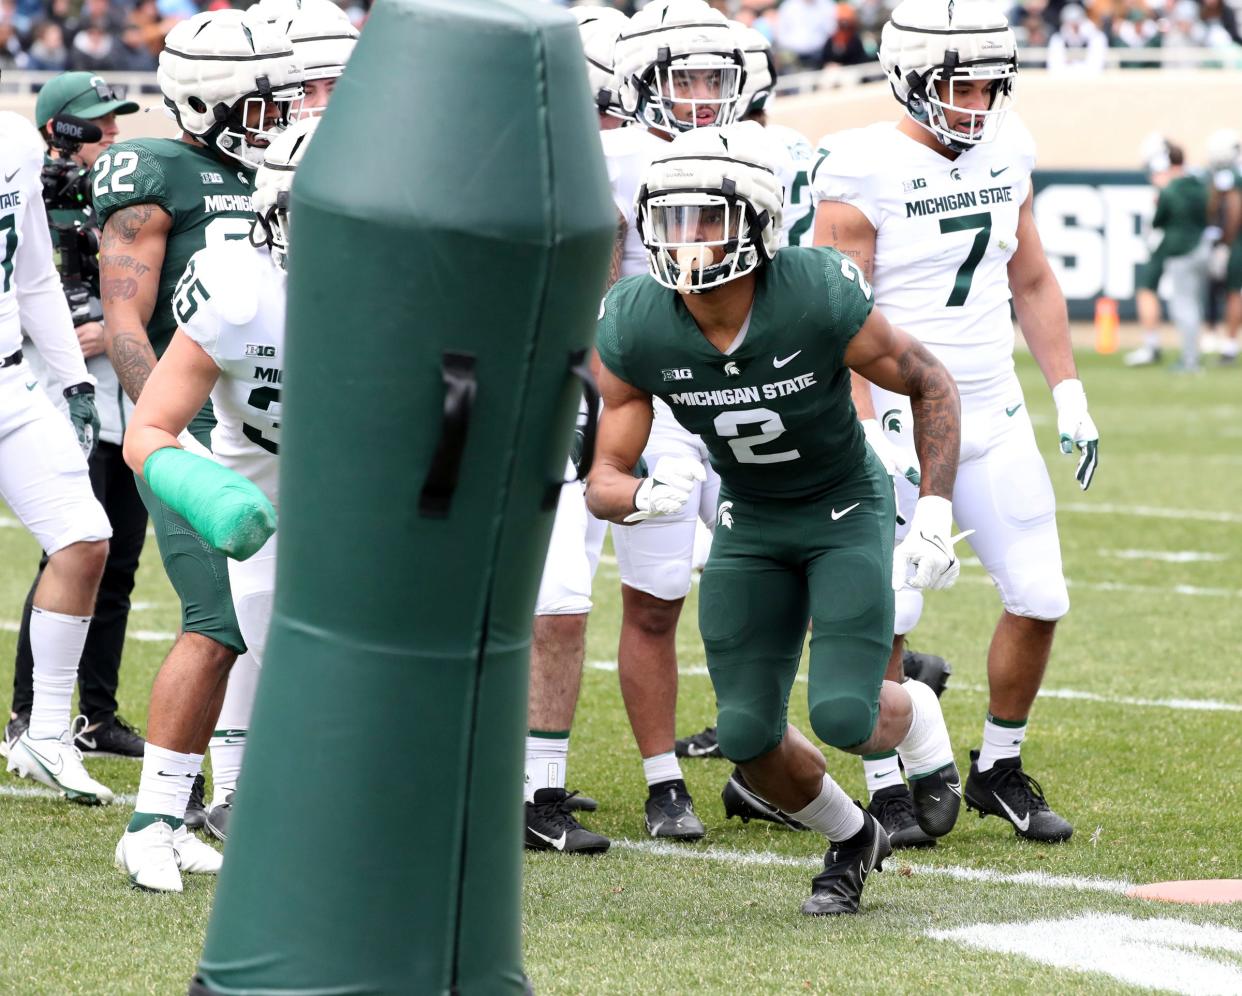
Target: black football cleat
{"x":838,"y":888}
{"x":1005,"y":790}
{"x":16,"y":726}
{"x":741,"y":800}
{"x":894,"y":808}
{"x":218,"y":818}
{"x":550,"y":826}
{"x":111,"y":738}
{"x":702,"y":744}
{"x":581,"y":803}
{"x":670,"y":813}
{"x":928,"y":668}
{"x":937,"y":799}
{"x":196,"y":808}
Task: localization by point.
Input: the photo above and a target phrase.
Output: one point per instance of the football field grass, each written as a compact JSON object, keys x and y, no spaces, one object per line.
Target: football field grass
{"x":1136,"y":740}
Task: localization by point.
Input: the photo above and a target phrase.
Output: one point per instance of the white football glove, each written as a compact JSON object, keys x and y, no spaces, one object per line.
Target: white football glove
{"x":928,"y":548}
{"x":1077,"y":429}
{"x":894,"y":459}
{"x":668,"y":488}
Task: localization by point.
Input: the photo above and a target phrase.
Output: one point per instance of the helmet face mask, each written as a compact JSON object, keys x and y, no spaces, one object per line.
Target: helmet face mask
{"x":691,"y":91}
{"x":256,"y":119}
{"x":272,"y":187}
{"x":962,"y":127}
{"x":714,"y":227}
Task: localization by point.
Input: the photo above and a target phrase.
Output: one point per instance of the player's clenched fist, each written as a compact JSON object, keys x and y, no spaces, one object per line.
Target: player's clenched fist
{"x":927,"y":549}
{"x":668,"y":488}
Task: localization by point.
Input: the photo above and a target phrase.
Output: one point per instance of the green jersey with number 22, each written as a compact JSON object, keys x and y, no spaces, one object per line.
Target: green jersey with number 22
{"x":207,"y":199}
{"x":775,"y":410}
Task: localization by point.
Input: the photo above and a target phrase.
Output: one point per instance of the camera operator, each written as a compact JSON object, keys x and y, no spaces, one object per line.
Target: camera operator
{"x":76,"y":115}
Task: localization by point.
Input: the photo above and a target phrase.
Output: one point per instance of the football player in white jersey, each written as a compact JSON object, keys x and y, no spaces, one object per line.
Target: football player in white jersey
{"x":43,"y":471}
{"x":680,"y":68}
{"x":229,"y":347}
{"x":936,"y":209}
{"x":323,"y":40}
{"x":558,"y":632}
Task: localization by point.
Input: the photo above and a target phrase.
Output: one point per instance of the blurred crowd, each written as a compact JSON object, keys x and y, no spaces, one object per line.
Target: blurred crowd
{"x":814,"y":34}
{"x":101,"y":35}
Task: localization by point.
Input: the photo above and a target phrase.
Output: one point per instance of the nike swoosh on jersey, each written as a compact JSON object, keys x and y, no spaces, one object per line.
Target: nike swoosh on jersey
{"x":1010,"y":411}
{"x":1021,"y":824}
{"x":845,"y":511}
{"x":9,"y":177}
{"x":998,"y":172}
{"x":778,"y":362}
{"x":52,"y":769}
{"x":557,"y":842}
{"x":32,"y":385}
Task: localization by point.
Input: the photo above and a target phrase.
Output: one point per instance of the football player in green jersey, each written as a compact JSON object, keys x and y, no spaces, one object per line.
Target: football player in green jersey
{"x":752,"y":349}
{"x":231,"y":81}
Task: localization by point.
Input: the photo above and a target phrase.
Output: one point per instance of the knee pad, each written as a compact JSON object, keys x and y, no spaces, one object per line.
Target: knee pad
{"x":744,"y":736}
{"x":1036,"y":596}
{"x":908,"y":605}
{"x":843,"y":721}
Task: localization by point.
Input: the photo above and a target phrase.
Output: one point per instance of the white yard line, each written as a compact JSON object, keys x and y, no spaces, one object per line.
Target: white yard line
{"x":1189,"y":590}
{"x":144,"y":635}
{"x":1148,"y":511}
{"x":1040,"y":880}
{"x":1166,"y":556}
{"x":1188,"y":705}
{"x":38,"y":792}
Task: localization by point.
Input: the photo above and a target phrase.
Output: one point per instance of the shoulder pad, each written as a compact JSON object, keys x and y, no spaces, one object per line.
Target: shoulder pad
{"x":230,"y":272}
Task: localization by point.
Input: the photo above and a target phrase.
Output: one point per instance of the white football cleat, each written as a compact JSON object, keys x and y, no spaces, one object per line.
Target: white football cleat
{"x":1144,"y":356}
{"x":58,"y":765}
{"x":193,"y":855}
{"x":149,"y":857}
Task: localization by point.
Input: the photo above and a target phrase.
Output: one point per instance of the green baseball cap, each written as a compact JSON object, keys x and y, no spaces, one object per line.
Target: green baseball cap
{"x":84,"y":95}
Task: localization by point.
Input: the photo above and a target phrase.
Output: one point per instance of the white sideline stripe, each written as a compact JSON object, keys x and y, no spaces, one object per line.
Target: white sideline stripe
{"x":145,"y":635}
{"x":1167,"y":556}
{"x":8,"y":523}
{"x":37,"y":792}
{"x":1148,"y":511}
{"x":1190,"y":590}
{"x":1189,"y":705}
{"x":1040,"y":880}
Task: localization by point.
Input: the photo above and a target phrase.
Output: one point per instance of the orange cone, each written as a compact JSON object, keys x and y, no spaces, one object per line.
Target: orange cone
{"x":1106,"y":326}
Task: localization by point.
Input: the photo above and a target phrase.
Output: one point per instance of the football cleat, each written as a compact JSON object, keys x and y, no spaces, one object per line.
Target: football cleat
{"x":670,"y":813}
{"x":1005,"y":790}
{"x":15,"y":727}
{"x":838,"y":888}
{"x":937,"y":799}
{"x":113,"y":738}
{"x":1144,"y":356}
{"x":581,"y":803}
{"x":702,"y":744}
{"x":58,"y":765}
{"x":550,"y":826}
{"x":894,"y":808}
{"x":193,"y":855}
{"x":218,"y":819}
{"x":196,"y":808}
{"x":927,"y":668}
{"x":149,"y":857}
{"x":741,"y":800}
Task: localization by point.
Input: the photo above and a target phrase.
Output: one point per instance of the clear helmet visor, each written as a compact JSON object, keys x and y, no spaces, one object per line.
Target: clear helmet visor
{"x":694,"y":91}
{"x":697,"y":240}
{"x":966,"y":107}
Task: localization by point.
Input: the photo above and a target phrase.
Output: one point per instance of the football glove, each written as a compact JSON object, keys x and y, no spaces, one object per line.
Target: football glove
{"x":230,"y":512}
{"x":84,"y":416}
{"x":894,"y":460}
{"x":667,"y":490}
{"x":1077,"y":429}
{"x":928,"y":548}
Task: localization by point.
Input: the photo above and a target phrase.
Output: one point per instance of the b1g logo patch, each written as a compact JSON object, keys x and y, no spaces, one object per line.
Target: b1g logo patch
{"x":259,"y":349}
{"x":677,"y":373}
{"x":215,"y":178}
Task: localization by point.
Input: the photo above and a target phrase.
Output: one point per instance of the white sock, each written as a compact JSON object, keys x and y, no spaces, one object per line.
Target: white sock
{"x":546,"y":755}
{"x":1229,"y":347}
{"x":661,"y":768}
{"x":882,"y":771}
{"x":926,"y":747}
{"x":1001,"y":739}
{"x":1151,"y":338}
{"x":227,"y":747}
{"x":56,"y":642}
{"x":167,"y":778}
{"x":832,"y":813}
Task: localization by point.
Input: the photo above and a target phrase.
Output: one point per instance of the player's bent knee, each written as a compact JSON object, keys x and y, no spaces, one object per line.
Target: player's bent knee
{"x":908,"y":609}
{"x":744,"y":736}
{"x":1045,"y":598}
{"x":843,"y":721}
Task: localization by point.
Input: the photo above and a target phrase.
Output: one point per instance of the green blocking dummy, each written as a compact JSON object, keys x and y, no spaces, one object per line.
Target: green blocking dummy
{"x":451,"y":229}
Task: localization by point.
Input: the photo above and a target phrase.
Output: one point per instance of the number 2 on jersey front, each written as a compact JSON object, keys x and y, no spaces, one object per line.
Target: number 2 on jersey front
{"x":728,"y":424}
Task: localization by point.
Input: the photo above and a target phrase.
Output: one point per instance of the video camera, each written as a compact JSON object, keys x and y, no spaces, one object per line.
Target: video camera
{"x":71,"y":217}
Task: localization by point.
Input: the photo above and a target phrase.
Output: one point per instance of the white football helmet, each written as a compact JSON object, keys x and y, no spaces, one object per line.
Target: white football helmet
{"x":1224,"y":149}
{"x":272,"y":184}
{"x":322,"y":35}
{"x":760,"y":68}
{"x":230,"y":80}
{"x":943,"y":41}
{"x":710,"y":210}
{"x":680,"y":54}
{"x":599,"y":28}
{"x":1154,"y":153}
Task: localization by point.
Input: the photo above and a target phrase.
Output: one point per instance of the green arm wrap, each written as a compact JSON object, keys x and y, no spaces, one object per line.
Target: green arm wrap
{"x":228,"y":511}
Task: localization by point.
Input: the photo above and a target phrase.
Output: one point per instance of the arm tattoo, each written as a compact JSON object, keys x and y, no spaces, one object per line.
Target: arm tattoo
{"x":122,"y":262}
{"x":865,"y":263}
{"x":132,"y":358}
{"x":937,"y":418}
{"x":118,"y":289}
{"x":618,"y":251}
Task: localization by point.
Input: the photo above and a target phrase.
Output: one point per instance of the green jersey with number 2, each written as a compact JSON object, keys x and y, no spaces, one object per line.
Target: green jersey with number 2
{"x":775,"y":411}
{"x":207,"y":198}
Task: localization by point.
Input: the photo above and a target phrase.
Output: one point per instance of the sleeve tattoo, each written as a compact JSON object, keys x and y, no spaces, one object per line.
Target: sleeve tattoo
{"x":937,"y":417}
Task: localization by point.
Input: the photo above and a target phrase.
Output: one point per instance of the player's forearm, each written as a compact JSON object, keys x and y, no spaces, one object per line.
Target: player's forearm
{"x":937,"y":412}
{"x":131,"y":355}
{"x":610,"y":492}
{"x":1044,"y":321}
{"x":618,"y":252}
